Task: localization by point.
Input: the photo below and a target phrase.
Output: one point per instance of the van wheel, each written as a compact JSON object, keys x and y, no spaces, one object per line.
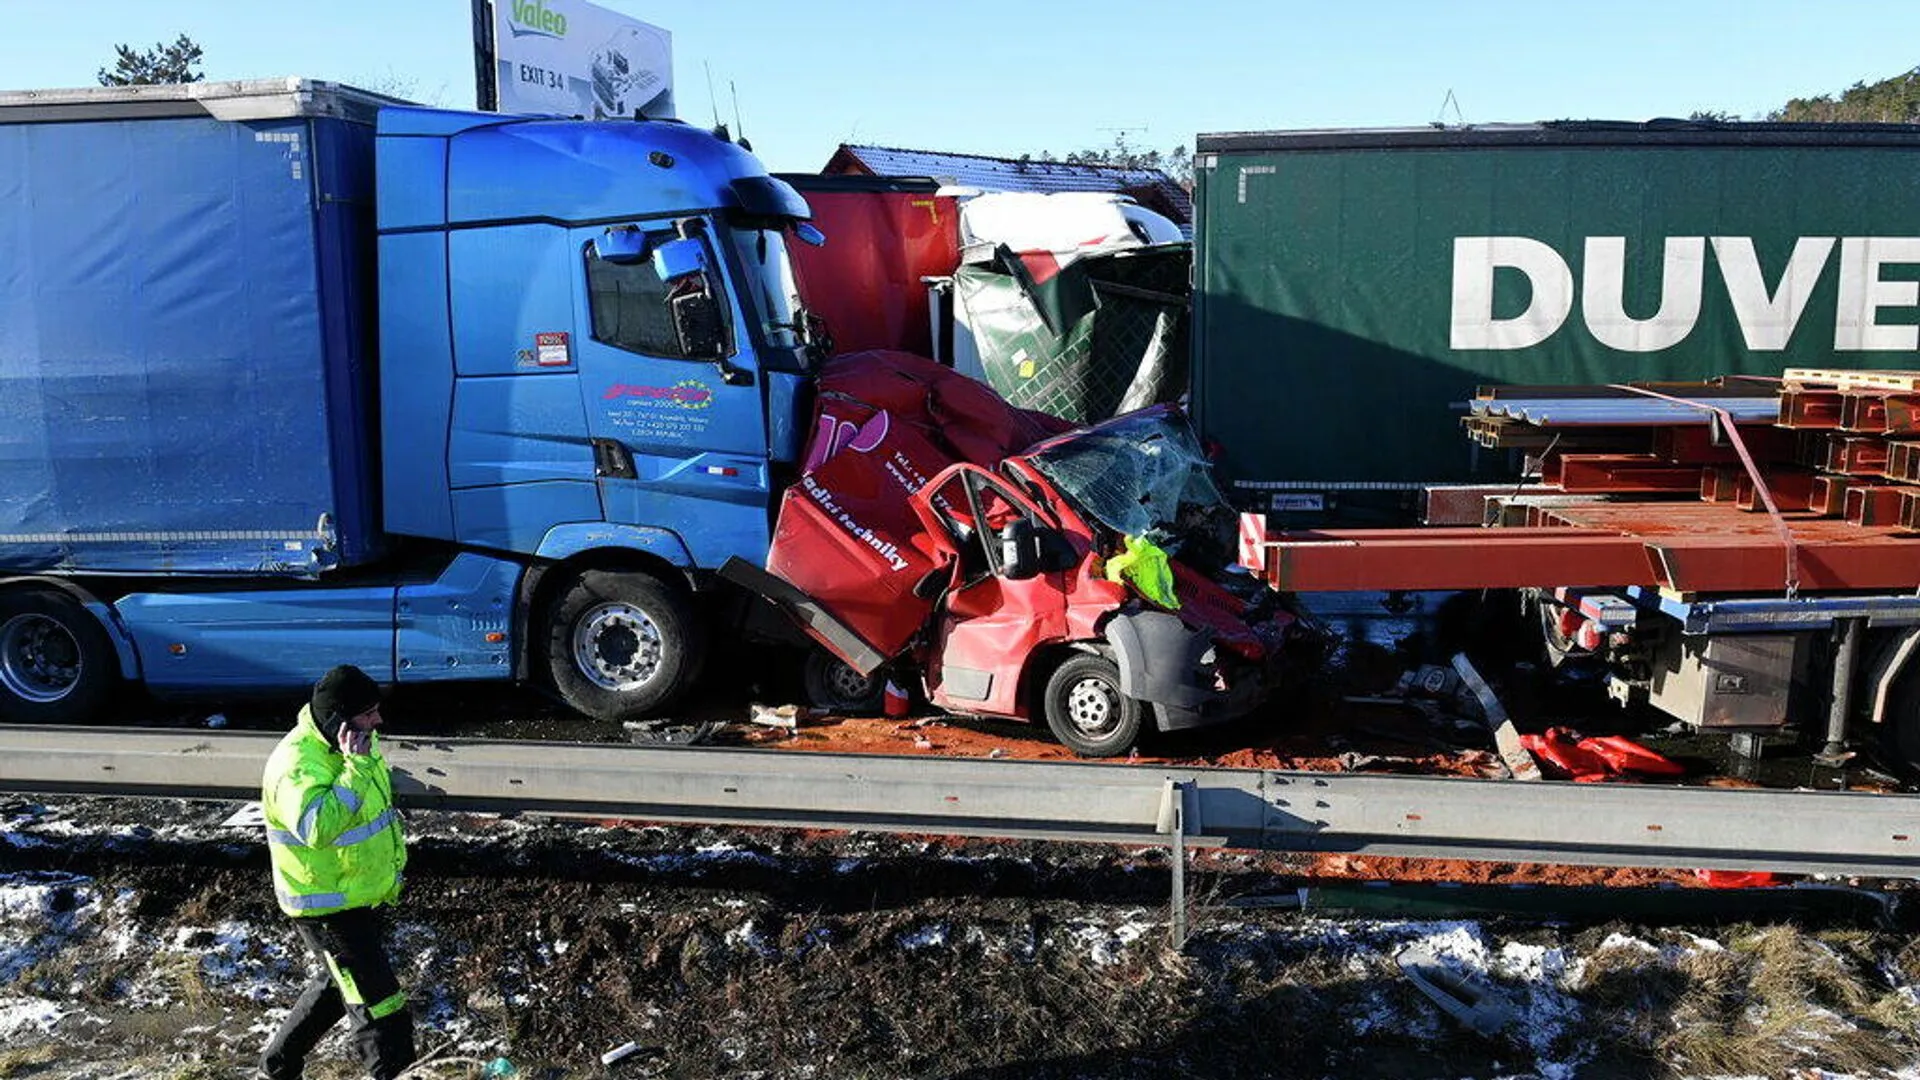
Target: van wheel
{"x":832,"y":685}
{"x":1086,"y":710}
{"x":622,"y":645}
{"x":56,"y":662}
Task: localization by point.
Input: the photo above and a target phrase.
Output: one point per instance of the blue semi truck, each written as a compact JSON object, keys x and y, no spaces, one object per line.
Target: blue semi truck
{"x":292,"y":375}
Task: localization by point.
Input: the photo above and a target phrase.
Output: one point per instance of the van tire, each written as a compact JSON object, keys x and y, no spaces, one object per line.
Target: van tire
{"x":1087,"y":712}
{"x":621,"y":646}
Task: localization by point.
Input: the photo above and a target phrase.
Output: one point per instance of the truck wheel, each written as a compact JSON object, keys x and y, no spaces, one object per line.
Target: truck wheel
{"x":621,"y":645}
{"x":832,"y":685}
{"x":56,"y":661}
{"x":1086,"y":710}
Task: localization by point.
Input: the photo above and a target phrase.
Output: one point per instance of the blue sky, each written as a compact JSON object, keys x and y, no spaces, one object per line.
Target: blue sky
{"x":1003,"y":77}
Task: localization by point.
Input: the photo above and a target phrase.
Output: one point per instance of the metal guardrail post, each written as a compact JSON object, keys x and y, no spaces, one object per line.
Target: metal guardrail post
{"x":1173,"y":821}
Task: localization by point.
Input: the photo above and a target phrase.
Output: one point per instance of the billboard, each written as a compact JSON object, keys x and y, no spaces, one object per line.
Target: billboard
{"x":571,"y":58}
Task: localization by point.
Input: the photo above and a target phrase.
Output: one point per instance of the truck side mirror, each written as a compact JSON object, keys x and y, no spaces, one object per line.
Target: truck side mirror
{"x":680,"y":258}
{"x":621,"y":245}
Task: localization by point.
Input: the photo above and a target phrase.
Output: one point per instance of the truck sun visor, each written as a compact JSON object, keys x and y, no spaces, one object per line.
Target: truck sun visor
{"x":766,"y":196}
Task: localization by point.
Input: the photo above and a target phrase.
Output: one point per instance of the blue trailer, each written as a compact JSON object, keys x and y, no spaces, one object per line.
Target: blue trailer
{"x":292,"y":375}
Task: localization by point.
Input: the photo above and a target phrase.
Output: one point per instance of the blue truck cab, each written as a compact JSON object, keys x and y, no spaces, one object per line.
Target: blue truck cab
{"x":292,"y":375}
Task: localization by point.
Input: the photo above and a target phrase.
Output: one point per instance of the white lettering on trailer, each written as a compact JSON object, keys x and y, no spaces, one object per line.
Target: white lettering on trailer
{"x":1474,"y":261}
{"x":1767,"y":322}
{"x":1682,"y":268}
{"x":1863,"y":294}
{"x":1767,"y":319}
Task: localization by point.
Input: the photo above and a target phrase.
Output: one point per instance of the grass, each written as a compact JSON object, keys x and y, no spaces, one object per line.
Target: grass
{"x":26,"y":1061}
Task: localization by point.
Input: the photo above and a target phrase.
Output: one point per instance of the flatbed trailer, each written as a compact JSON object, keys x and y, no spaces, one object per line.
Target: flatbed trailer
{"x":1733,"y":600}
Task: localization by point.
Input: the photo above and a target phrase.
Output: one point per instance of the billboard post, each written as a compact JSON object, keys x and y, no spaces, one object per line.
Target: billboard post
{"x":570,"y":58}
{"x":486,"y":90}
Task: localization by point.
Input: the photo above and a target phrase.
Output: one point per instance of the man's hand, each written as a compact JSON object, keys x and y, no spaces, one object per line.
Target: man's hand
{"x":354,"y":741}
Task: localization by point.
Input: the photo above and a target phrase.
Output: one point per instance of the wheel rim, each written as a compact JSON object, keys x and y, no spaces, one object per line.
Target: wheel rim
{"x":618,"y":647}
{"x":847,"y":686}
{"x":1093,"y":707}
{"x":39,"y":658}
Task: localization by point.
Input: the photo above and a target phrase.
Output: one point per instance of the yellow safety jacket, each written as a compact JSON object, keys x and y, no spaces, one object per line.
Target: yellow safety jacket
{"x":332,"y":833}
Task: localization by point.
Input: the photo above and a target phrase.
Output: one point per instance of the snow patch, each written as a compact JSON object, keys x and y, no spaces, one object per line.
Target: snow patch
{"x":21,"y":1015}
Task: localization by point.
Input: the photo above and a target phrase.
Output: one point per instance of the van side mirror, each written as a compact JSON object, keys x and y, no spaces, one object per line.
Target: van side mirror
{"x":1019,"y":550}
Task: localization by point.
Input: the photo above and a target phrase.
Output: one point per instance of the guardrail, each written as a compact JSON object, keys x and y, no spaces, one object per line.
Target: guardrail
{"x":1841,"y":833}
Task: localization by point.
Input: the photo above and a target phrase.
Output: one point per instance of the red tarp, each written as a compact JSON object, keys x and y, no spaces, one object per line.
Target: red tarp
{"x":865,"y":280}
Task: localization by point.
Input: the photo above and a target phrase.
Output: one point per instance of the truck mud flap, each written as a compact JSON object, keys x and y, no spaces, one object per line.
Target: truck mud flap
{"x":835,"y":636}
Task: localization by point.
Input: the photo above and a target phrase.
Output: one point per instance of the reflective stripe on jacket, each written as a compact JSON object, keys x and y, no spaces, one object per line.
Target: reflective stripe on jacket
{"x":332,"y":833}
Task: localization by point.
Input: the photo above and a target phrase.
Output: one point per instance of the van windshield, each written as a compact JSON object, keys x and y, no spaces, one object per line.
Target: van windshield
{"x":1142,"y":474}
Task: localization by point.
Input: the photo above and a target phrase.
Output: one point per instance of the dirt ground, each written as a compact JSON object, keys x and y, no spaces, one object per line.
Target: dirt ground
{"x":139,"y":939}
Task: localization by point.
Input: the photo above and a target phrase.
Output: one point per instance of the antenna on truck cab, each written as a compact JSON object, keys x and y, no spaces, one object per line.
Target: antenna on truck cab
{"x":738,"y":124}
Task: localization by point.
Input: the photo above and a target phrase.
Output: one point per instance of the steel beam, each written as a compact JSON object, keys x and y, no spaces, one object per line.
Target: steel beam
{"x":1463,"y":558}
{"x":1417,"y":817}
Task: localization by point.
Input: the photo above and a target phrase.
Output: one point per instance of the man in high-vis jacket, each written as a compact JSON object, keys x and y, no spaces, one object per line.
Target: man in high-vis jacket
{"x":337,"y":852}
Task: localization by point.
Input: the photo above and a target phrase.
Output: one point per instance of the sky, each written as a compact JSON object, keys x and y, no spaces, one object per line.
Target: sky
{"x":1009,"y":77}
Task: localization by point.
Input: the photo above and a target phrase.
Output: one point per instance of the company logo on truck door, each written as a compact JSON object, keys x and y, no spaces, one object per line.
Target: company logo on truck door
{"x":1767,"y":305}
{"x":532,"y":17}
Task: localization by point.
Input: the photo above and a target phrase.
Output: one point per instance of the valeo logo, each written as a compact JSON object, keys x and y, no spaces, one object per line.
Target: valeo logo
{"x":532,"y":17}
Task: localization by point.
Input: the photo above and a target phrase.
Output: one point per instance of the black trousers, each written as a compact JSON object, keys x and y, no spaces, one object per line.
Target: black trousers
{"x":355,"y":981}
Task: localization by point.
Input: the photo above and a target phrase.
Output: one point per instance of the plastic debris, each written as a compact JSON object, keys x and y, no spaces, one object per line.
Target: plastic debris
{"x":896,"y":704}
{"x":996,"y":752}
{"x":672,"y":732}
{"x":1467,"y":999}
{"x":620,"y":1053}
{"x":922,"y":742}
{"x":775,"y":716}
{"x":217,"y":720}
{"x":500,"y":1067}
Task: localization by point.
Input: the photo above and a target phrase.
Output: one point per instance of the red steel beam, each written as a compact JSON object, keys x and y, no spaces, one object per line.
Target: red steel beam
{"x":1619,"y":474}
{"x":1801,"y":408}
{"x":1873,"y":506}
{"x":1792,"y":489}
{"x":1858,"y":455}
{"x":1829,"y":498}
{"x":1443,"y":558}
{"x":1693,"y":444}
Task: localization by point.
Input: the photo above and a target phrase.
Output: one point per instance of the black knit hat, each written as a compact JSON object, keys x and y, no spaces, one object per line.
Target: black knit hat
{"x":340,"y":695}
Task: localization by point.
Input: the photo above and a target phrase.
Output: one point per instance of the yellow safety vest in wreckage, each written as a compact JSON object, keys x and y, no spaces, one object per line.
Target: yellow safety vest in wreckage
{"x":332,"y":833}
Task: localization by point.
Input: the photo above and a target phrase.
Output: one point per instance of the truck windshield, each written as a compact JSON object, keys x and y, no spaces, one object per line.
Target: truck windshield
{"x":1142,"y":474}
{"x":769,"y":294}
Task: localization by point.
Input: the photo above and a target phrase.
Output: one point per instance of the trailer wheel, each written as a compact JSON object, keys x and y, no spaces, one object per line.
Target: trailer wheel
{"x":1086,"y":710}
{"x":832,"y":685}
{"x":621,"y":645}
{"x":56,"y":661}
{"x":1901,"y":738}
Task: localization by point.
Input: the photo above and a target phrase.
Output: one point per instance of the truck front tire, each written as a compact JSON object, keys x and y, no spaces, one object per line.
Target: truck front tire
{"x":56,"y":661}
{"x":622,"y":645}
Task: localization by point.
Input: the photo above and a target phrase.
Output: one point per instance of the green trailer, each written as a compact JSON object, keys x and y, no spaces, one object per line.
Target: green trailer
{"x":1353,"y":288}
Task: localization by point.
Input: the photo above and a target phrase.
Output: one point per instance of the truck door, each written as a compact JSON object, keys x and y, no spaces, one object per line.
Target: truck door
{"x":672,"y":388}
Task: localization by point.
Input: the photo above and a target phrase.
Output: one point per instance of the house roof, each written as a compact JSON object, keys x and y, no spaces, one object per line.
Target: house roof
{"x":1151,"y":188}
